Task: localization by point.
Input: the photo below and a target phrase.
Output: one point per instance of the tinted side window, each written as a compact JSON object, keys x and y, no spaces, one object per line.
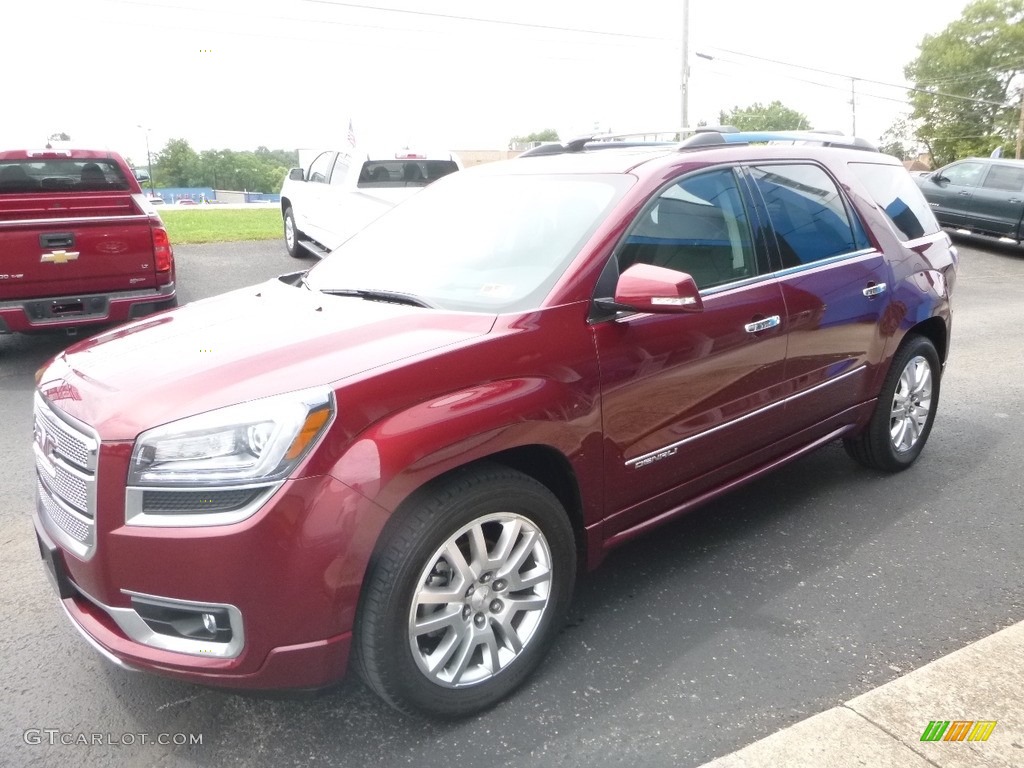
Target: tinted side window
{"x":807,"y":213}
{"x":964,"y":174}
{"x":698,"y":226}
{"x":899,"y":197}
{"x":318,"y":170}
{"x":1005,"y":177}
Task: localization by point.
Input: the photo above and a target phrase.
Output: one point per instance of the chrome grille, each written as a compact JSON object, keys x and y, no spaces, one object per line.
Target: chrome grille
{"x":66,"y":457}
{"x":69,"y":444}
{"x":74,"y":526}
{"x":64,"y":483}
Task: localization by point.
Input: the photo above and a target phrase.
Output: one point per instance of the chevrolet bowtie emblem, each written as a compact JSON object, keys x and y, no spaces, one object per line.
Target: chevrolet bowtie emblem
{"x":59,"y":257}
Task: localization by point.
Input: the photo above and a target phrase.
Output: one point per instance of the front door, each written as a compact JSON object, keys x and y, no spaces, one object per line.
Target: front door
{"x":687,"y":398}
{"x":949,"y":191}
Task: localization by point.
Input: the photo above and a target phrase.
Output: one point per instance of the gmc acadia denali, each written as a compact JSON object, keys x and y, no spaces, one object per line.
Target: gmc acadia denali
{"x":398,"y":461}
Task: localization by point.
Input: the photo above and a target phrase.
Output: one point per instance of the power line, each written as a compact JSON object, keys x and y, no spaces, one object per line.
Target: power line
{"x":832,"y":86}
{"x":864,"y":79}
{"x":481,"y":20}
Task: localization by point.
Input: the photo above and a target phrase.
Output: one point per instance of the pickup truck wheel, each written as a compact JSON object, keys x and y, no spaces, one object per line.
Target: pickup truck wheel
{"x":905,"y":411}
{"x":292,"y":236}
{"x":466,"y":595}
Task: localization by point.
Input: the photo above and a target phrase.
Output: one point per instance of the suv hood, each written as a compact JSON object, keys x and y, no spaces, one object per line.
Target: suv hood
{"x":251,"y":343}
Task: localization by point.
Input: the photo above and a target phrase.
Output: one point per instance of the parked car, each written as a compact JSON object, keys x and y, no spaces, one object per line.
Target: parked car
{"x":338,"y":192}
{"x":398,"y":460}
{"x":80,"y":246}
{"x":979,"y":195}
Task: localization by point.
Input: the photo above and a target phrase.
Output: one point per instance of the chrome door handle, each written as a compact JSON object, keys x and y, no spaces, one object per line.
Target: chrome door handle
{"x":874,"y":289}
{"x":762,"y":325}
{"x":964,"y":194}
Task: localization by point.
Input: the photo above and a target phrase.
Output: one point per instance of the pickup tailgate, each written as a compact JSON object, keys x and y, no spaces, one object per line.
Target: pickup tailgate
{"x":65,"y":244}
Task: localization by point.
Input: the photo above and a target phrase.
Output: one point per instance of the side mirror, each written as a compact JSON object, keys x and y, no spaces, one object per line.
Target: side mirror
{"x":295,"y":174}
{"x":936,"y":178}
{"x":140,"y":174}
{"x":646,"y":288}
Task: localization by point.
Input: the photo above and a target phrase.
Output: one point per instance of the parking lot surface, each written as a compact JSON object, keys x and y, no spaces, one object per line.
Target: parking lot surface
{"x":780,"y":601}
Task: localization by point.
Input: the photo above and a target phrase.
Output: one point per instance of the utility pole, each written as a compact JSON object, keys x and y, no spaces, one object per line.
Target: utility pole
{"x":149,"y":160}
{"x":1020,"y":125}
{"x":684,"y":112}
{"x":853,"y":104}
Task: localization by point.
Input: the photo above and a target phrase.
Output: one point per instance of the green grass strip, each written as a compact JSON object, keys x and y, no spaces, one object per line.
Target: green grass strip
{"x":210,"y":224}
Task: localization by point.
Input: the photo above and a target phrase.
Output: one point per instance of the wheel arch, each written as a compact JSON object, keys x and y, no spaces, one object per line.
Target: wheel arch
{"x":934,"y":329}
{"x":543,"y":463}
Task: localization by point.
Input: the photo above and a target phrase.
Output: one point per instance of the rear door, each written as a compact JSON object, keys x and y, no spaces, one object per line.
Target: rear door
{"x":998,"y":203}
{"x":71,"y":227}
{"x":836,"y":287}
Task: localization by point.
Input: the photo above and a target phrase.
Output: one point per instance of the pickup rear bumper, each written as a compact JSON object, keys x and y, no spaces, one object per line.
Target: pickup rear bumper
{"x":78,"y":311}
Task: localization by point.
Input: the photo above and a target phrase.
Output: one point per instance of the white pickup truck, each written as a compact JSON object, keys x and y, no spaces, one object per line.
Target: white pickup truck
{"x":339,"y":192}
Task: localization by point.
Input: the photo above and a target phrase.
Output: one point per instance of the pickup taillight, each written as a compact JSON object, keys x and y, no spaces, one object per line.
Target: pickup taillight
{"x":163,"y":255}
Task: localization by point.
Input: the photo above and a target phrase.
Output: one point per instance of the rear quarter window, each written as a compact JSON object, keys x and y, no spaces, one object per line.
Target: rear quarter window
{"x":895,"y":192}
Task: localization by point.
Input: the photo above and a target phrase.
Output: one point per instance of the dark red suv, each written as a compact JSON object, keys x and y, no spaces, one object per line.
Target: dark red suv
{"x":400,"y":459}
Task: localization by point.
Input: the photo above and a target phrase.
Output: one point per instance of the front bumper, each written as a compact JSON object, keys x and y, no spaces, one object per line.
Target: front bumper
{"x":291,"y":574}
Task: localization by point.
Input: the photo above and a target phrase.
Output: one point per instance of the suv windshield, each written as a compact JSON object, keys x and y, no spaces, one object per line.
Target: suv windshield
{"x":475,"y":243}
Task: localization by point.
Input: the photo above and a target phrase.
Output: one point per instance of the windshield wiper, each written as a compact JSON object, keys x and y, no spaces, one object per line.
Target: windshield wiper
{"x":370,"y":294}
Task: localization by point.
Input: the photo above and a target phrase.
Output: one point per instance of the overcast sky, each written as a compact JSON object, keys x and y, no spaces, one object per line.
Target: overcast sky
{"x":454,"y":74}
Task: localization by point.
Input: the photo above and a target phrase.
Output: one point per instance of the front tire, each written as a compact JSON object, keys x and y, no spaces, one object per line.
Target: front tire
{"x":905,"y":410}
{"x":292,"y":236}
{"x":466,"y":594}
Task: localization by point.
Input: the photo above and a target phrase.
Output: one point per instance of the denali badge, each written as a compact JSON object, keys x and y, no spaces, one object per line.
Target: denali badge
{"x":655,"y":457}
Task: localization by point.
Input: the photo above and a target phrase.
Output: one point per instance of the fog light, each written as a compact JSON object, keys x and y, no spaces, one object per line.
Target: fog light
{"x":174,"y":619}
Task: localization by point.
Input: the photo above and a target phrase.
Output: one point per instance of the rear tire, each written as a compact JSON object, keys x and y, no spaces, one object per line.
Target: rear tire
{"x":905,"y":410}
{"x":466,"y":594}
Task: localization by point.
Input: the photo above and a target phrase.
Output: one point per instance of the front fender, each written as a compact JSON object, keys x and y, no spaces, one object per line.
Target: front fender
{"x":400,"y":453}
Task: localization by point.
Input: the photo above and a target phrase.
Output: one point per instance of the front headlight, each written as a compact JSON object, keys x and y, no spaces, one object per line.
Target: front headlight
{"x":256,"y":442}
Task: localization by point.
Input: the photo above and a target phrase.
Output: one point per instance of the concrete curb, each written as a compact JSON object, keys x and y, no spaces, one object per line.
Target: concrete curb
{"x":883,"y":728}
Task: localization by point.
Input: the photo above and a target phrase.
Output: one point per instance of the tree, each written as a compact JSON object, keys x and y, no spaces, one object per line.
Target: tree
{"x":969,"y":76}
{"x":759,"y":117}
{"x":177,"y":165}
{"x":898,"y":140}
{"x":548,"y":134}
{"x":58,"y":137}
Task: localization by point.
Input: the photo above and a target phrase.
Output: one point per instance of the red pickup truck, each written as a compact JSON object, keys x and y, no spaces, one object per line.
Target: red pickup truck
{"x":79,"y":243}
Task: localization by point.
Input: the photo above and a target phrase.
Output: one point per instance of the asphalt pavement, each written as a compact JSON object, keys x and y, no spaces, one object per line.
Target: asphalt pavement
{"x":813,"y":612}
